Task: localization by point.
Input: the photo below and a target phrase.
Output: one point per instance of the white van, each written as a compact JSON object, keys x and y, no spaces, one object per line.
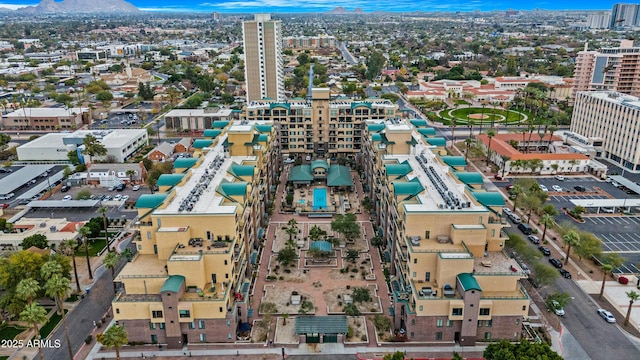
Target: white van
{"x":515,"y":218}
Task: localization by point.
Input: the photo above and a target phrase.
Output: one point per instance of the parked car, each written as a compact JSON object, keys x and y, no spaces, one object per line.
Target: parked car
{"x":543,"y":188}
{"x":497,"y":177}
{"x":557,"y":309}
{"x":555,"y":262}
{"x":580,"y":188}
{"x":117,"y":197}
{"x":5,"y":170}
{"x":107,"y":198}
{"x":100,"y":197}
{"x":526,"y":229}
{"x":507,"y":211}
{"x":125,"y":197}
{"x":4,"y":206}
{"x":66,"y":198}
{"x":289,"y":161}
{"x":64,"y":188}
{"x":556,"y":188}
{"x":607,"y":209}
{"x":606,"y":315}
{"x":111,"y":188}
{"x":534,"y":239}
{"x":565,"y":274}
{"x":559,"y":177}
{"x":515,"y":218}
{"x":545,"y":250}
{"x":135,"y":187}
{"x":615,"y":184}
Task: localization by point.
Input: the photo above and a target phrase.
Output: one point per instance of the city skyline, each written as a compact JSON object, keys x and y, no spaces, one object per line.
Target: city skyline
{"x":300,"y":6}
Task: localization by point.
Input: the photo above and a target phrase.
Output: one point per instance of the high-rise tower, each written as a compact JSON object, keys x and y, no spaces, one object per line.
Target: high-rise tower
{"x":263,"y":64}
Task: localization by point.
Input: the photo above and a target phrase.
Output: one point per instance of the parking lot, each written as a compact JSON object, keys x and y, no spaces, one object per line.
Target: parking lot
{"x":619,"y":233}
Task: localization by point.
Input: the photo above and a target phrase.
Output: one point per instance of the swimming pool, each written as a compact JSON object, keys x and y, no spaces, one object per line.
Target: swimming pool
{"x":319,"y":199}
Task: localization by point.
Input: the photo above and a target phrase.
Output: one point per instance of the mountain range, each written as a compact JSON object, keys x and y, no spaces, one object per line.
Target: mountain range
{"x":80,"y":6}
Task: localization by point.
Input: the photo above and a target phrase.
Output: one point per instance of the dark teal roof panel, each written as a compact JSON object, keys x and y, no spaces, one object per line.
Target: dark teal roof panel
{"x":241,"y":170}
{"x":339,"y":175}
{"x":184,"y":163}
{"x":470,"y":178}
{"x":319,"y":163}
{"x":202,"y":143}
{"x":173,"y":283}
{"x":468,"y":282}
{"x":375,"y":127}
{"x":436,"y":141}
{"x":300,"y":173}
{"x":220,"y":124}
{"x":212,"y":133}
{"x":150,"y":201}
{"x":418,"y":122}
{"x":454,"y":160}
{"x":169,"y":179}
{"x":233,"y":188}
{"x":263,"y":128}
{"x":427,"y":131}
{"x":489,"y":198}
{"x":321,"y":325}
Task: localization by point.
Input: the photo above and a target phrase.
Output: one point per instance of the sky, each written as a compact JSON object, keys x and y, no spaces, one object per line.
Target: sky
{"x":289,"y":6}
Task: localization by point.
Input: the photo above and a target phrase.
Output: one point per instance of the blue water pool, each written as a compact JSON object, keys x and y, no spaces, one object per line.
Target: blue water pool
{"x":319,"y":199}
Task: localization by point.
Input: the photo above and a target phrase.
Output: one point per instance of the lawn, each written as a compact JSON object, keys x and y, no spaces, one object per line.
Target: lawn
{"x":10,"y":332}
{"x":51,"y":324}
{"x":72,"y":298}
{"x":4,"y":357}
{"x":95,"y":246}
{"x":500,"y":114}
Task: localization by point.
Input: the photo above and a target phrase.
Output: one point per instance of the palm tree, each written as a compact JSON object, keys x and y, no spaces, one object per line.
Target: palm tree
{"x":467,"y":142}
{"x":103,"y":210}
{"x":130,"y":173}
{"x":570,"y":239}
{"x":57,"y":287}
{"x":505,"y":159}
{"x":285,"y":316}
{"x":546,"y":220}
{"x":84,"y":231}
{"x":606,"y":269}
{"x":609,"y":263}
{"x":516,"y":191}
{"x":453,"y":128}
{"x":633,"y":297}
{"x":490,"y":134}
{"x":34,"y":314}
{"x":28,"y":289}
{"x":111,"y":261}
{"x":68,"y":248}
{"x":114,"y":337}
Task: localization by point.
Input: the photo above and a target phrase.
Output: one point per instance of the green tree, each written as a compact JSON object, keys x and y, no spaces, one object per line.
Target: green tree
{"x":84,"y":232}
{"x":361,"y":294}
{"x":28,"y":290}
{"x":562,"y":298}
{"x":347,"y":225}
{"x":104,"y":96}
{"x":570,"y":239}
{"x":490,"y":134}
{"x":83,"y":194}
{"x":352,"y":255}
{"x":398,"y":355}
{"x":34,"y":314}
{"x":609,"y":263}
{"x":286,"y":256}
{"x":93,"y":147}
{"x":57,"y":287}
{"x":633,"y":297}
{"x":115,"y":337}
{"x":515,"y":191}
{"x":544,"y":273}
{"x":589,"y":247}
{"x":37,"y":240}
{"x":103,"y":211}
{"x":374,"y":63}
{"x":546,"y":221}
{"x":525,"y":350}
{"x":110,"y":262}
{"x":68,"y":248}
{"x":377,"y":241}
{"x":351,"y":310}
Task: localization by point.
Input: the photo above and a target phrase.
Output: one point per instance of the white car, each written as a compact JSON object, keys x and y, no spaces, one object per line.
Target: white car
{"x":66,"y":198}
{"x":543,"y":188}
{"x":289,"y":161}
{"x":125,"y":197}
{"x":506,"y":211}
{"x":615,"y":184}
{"x":557,"y":308}
{"x":559,"y":177}
{"x":135,"y":187}
{"x":556,"y":188}
{"x":607,"y":316}
{"x":117,"y":197}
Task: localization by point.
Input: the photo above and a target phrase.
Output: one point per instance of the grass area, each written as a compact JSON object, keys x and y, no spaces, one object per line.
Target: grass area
{"x":9,"y":332}
{"x":4,"y":357}
{"x":51,"y":324}
{"x":72,"y":298}
{"x":95,"y":246}
{"x":500,"y":114}
{"x":461,"y":102}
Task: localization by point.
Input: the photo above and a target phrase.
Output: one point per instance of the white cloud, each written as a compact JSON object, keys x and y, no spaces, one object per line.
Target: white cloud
{"x":14,"y":6}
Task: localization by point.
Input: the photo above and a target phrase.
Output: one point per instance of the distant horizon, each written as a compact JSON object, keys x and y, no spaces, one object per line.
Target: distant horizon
{"x":323,"y":6}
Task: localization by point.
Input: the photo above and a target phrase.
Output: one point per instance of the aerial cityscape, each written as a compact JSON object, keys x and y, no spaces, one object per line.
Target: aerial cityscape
{"x":319,"y":180}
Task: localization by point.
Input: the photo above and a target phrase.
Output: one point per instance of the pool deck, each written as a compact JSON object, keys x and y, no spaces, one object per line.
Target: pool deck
{"x":320,"y":198}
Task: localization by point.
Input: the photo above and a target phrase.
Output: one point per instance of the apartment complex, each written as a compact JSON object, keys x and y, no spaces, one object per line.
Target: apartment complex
{"x":263,"y":63}
{"x":615,"y":119}
{"x":612,"y":69}
{"x":451,"y":279}
{"x":321,"y":126}
{"x":196,"y":119}
{"x":198,"y":240}
{"x":625,"y":15}
{"x":309,"y":42}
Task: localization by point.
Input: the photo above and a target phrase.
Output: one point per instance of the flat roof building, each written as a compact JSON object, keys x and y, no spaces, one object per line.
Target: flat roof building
{"x":263,"y":61}
{"x":45,"y":119}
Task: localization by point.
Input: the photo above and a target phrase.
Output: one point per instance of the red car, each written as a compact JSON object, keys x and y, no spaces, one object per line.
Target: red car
{"x":4,"y":206}
{"x":497,"y":177}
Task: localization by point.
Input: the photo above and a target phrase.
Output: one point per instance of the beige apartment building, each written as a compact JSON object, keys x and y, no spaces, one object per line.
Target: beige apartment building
{"x":320,"y":126}
{"x":263,"y":63}
{"x":614,"y":118}
{"x":451,"y":279}
{"x":609,"y":69}
{"x":199,"y":237}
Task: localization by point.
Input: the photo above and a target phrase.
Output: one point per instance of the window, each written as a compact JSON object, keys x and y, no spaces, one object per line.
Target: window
{"x":117,"y":311}
{"x":152,"y":326}
{"x":412,"y":334}
{"x":488,"y":323}
{"x":203,"y":338}
{"x":427,"y":234}
{"x":148,"y":234}
{"x":449,"y":323}
{"x":228,"y":322}
{"x":517,"y":321}
{"x":154,"y":339}
{"x":192,"y":325}
{"x":415,"y":261}
{"x":456,"y":312}
{"x":484,"y":311}
{"x":200,"y":324}
{"x":161,"y":326}
{"x":185,"y":314}
{"x":415,"y":274}
{"x":229,"y":336}
{"x":479,"y":323}
{"x":439,"y":335}
{"x":156,"y":314}
{"x":413,"y":321}
{"x":420,"y":308}
{"x":439,"y":323}
{"x":487,"y":336}
{"x":427,"y":276}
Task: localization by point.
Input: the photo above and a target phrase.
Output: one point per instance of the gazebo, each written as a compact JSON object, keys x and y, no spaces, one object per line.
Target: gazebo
{"x":319,"y":170}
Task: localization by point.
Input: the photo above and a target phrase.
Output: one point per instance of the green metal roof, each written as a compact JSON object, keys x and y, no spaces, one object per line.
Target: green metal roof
{"x":436,"y":141}
{"x":280,"y":105}
{"x":469,"y":282}
{"x":169,"y":179}
{"x":150,"y":201}
{"x":376,"y":137}
{"x":375,"y":127}
{"x":219,"y":124}
{"x":398,"y":170}
{"x":356,"y":104}
{"x":418,"y":122}
{"x":202,"y":143}
{"x":321,"y":325}
{"x":300,"y":173}
{"x":184,"y":163}
{"x":263,"y":128}
{"x":407,"y":187}
{"x":427,"y":131}
{"x":454,"y":160}
{"x":229,"y":189}
{"x":238,"y":170}
{"x":470,"y":178}
{"x":319,"y":163}
{"x":339,"y":175}
{"x":321,"y":245}
{"x":489,"y":198}
{"x":263,"y":138}
{"x":173,"y":283}
{"x":212,"y":133}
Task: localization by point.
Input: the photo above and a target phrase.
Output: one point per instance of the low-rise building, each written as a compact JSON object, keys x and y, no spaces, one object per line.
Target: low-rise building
{"x":116,"y":174}
{"x":161,"y":152}
{"x":45,"y":119}
{"x":56,"y":231}
{"x":196,"y":119}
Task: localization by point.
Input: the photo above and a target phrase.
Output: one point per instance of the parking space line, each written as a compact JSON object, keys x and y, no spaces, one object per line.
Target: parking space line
{"x":623,"y":220}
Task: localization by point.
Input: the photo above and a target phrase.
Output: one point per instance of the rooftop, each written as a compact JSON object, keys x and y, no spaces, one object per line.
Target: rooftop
{"x":45,"y":112}
{"x":616,"y":98}
{"x":144,"y":265}
{"x":199,"y":112}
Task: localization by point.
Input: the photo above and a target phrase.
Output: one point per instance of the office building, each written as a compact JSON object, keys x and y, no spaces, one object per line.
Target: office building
{"x":199,"y":237}
{"x":451,"y":279}
{"x":599,"y":21}
{"x":609,"y":69}
{"x":612,"y":118}
{"x":321,"y":126}
{"x":625,"y":16}
{"x":45,"y":119}
{"x":263,"y":63}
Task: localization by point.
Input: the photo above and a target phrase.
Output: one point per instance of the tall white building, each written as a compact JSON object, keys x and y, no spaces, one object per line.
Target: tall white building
{"x":599,"y":21}
{"x":263,"y":63}
{"x":625,"y":15}
{"x":614,"y":118}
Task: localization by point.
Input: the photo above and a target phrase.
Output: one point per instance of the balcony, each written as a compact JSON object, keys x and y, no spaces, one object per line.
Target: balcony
{"x":212,"y":292}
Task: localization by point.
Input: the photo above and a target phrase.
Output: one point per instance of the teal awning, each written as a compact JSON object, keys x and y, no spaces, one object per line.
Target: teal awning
{"x":212,"y":133}
{"x":356,"y":104}
{"x":489,"y":198}
{"x":375,"y":127}
{"x":427,"y":131}
{"x":184,"y":163}
{"x":319,"y":164}
{"x":397,"y":170}
{"x":169,"y":179}
{"x":239,"y":171}
{"x":202,"y":143}
{"x":173,"y":283}
{"x":418,"y":122}
{"x":339,"y":175}
{"x":262,"y":128}
{"x":442,"y":142}
{"x":150,"y":201}
{"x":219,"y":124}
{"x":468,"y":282}
{"x":280,"y":105}
{"x":470,"y":178}
{"x":454,"y":160}
{"x":229,"y":189}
